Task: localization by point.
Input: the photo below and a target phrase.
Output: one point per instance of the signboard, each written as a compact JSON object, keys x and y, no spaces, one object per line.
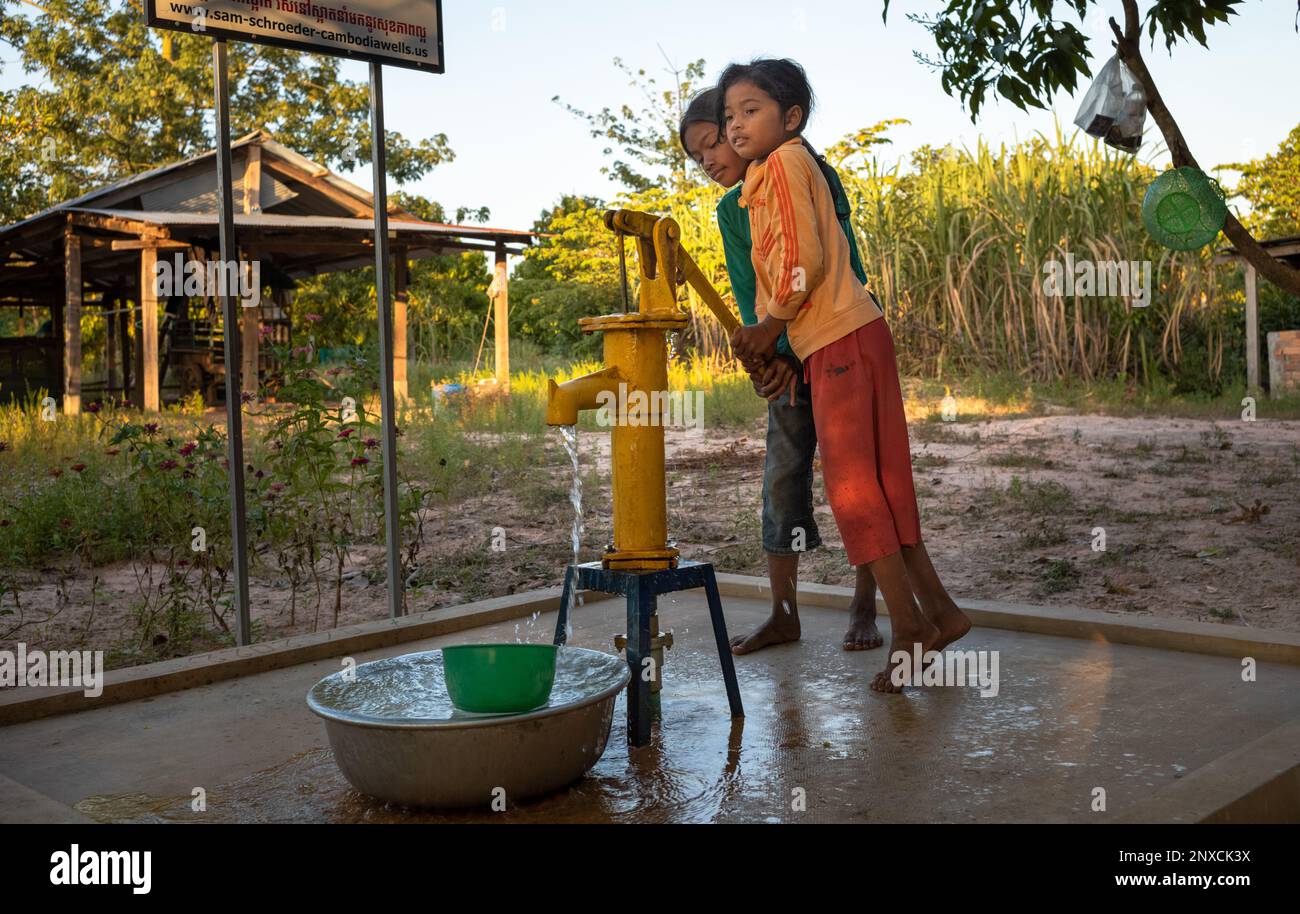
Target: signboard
{"x":399,"y":33}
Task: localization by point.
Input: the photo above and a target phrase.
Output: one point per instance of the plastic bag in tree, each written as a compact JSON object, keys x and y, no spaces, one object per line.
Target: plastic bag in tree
{"x":1115,"y":108}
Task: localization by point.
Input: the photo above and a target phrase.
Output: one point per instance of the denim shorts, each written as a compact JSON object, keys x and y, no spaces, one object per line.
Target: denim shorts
{"x":788,"y":474}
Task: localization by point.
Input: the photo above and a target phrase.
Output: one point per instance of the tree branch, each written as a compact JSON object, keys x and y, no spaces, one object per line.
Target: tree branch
{"x":1127,"y":45}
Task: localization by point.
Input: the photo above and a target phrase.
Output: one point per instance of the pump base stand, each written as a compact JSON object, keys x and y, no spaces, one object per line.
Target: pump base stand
{"x":642,"y":589}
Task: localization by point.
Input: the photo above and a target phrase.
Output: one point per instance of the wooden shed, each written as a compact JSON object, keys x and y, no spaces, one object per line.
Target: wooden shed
{"x":294,"y":218}
{"x":1285,"y":249}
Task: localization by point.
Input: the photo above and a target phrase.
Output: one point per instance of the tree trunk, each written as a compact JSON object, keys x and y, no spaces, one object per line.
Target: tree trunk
{"x":1127,"y":41}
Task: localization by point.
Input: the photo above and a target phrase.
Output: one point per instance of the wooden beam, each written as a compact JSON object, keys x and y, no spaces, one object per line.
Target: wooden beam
{"x":401,"y":267}
{"x":253,"y":180}
{"x":147,"y":382}
{"x":124,"y":226}
{"x":161,"y":243}
{"x":358,"y":208}
{"x":71,"y":322}
{"x":501,"y":318}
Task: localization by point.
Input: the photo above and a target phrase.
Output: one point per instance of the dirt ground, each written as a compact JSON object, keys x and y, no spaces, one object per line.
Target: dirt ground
{"x":1201,"y":521}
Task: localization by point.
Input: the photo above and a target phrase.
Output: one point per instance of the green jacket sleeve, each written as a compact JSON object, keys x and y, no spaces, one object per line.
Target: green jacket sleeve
{"x":733,"y":222}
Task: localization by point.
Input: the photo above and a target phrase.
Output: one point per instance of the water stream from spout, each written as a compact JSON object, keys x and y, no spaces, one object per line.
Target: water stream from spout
{"x":570,"y":435}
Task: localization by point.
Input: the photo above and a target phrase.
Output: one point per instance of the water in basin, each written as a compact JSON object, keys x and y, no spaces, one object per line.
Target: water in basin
{"x":412,"y":688}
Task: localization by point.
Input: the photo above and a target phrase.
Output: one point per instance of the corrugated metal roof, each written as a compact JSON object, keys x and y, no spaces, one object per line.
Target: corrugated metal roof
{"x":275,"y":220}
{"x":267,"y":220}
{"x":124,"y":183}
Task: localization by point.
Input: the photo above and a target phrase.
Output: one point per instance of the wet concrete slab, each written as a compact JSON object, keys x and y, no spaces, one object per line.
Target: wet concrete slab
{"x":1070,"y":717}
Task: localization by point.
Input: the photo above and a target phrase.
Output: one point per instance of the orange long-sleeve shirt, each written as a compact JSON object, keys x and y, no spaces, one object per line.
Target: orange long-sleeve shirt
{"x":800,"y":254}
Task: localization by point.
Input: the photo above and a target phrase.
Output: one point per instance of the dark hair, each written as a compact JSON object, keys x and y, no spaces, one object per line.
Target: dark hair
{"x":783,"y":79}
{"x":702,"y":108}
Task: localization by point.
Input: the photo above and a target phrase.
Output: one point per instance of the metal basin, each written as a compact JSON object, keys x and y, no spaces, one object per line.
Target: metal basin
{"x":397,"y":737}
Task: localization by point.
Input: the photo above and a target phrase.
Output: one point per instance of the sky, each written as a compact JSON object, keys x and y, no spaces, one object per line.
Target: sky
{"x":517,"y":151}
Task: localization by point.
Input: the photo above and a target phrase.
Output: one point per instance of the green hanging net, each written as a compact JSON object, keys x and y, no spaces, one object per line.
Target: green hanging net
{"x":1184,"y":209}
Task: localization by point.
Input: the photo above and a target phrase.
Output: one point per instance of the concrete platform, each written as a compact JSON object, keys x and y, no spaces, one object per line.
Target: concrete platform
{"x":1168,"y":735}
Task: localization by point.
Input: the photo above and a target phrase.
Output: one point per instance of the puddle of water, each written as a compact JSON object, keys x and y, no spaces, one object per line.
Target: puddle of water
{"x":812,"y":725}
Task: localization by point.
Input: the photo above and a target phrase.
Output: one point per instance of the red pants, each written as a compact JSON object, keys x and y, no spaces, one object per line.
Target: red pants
{"x":862,"y":432}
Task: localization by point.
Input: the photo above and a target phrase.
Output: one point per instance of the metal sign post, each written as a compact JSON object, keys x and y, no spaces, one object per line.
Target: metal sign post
{"x":402,"y":33}
{"x":384,"y":305}
{"x":230,"y":318}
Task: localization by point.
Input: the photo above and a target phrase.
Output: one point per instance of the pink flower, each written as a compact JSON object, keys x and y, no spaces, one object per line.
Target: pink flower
{"x":151,"y":428}
{"x":188,"y":449}
{"x":360,"y":461}
{"x":168,"y":465}
{"x":371,"y":444}
{"x":313,"y":318}
{"x":346,"y":433}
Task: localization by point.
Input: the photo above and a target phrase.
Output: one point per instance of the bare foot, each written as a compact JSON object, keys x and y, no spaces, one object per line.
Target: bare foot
{"x":862,"y":634}
{"x":904,"y":637}
{"x":779,"y":629}
{"x":952,"y":623}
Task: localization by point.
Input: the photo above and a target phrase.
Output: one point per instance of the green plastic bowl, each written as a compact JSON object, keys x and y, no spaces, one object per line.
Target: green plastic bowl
{"x":499,"y":678}
{"x":1184,"y":209}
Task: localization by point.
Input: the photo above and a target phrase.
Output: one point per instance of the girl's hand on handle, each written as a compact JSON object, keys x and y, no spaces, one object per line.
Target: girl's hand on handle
{"x":779,"y":377}
{"x":757,"y":341}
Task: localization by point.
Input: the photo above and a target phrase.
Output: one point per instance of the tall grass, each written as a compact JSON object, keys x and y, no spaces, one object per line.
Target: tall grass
{"x":956,"y":245}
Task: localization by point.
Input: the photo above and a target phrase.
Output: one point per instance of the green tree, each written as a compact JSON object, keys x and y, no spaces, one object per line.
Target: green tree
{"x":107,"y":97}
{"x":446,"y":300}
{"x":645,"y":140}
{"x":1272,"y":185}
{"x":1023,"y":52}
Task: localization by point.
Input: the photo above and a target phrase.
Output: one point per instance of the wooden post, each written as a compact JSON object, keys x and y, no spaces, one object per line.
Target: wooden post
{"x":111,"y":304}
{"x":124,"y":341}
{"x":1252,"y":331}
{"x":146,"y":384}
{"x":71,"y":322}
{"x":501,"y":317}
{"x":250,"y":326}
{"x":253,"y":180}
{"x":401,"y":266}
{"x":250,"y":319}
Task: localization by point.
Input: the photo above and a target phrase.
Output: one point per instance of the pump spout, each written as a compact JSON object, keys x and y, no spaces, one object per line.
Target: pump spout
{"x":566,"y":400}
